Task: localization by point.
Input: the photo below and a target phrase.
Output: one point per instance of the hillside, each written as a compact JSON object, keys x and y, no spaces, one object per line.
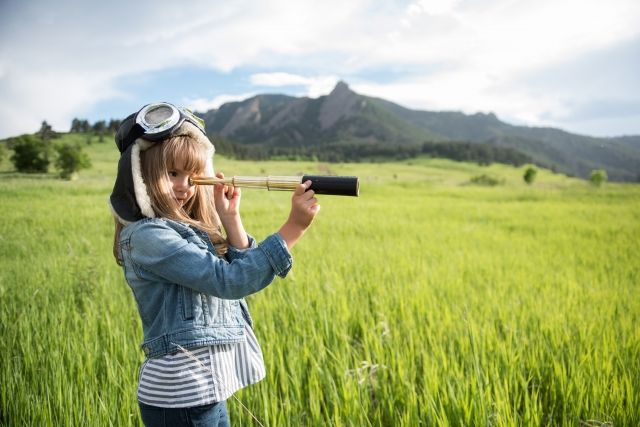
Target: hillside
{"x":346,"y":118}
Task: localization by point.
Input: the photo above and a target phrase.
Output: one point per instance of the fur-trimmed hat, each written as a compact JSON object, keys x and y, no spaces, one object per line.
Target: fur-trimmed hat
{"x":129,"y":200}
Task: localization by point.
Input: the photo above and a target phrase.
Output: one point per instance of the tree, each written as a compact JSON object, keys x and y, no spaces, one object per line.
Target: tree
{"x":80,"y":126}
{"x":71,"y":159}
{"x":46,"y":133}
{"x":30,"y":154}
{"x":530,"y":175}
{"x":76,"y":126}
{"x":99,"y":126}
{"x":598,"y":177}
{"x":114,"y":124}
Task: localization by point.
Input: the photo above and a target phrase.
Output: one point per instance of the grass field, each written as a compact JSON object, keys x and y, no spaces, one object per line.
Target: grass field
{"x":425,"y":301}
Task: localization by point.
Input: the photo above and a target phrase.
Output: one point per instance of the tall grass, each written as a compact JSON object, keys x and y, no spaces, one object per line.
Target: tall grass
{"x":425,"y":301}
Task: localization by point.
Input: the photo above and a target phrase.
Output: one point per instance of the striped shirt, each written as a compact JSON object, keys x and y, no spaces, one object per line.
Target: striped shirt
{"x":202,"y":375}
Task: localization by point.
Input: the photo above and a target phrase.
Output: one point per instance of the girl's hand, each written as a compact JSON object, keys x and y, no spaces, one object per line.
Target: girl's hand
{"x":227,"y":199}
{"x":304,"y":208}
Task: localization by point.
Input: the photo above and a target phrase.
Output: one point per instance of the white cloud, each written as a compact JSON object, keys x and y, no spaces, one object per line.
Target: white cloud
{"x":314,"y":86}
{"x":431,"y":7}
{"x":203,"y":104}
{"x":58,"y":61}
{"x":278,"y":79}
{"x":37,"y":95}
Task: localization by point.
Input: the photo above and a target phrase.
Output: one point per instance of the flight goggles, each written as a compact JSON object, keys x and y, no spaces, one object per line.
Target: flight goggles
{"x":157,"y":121}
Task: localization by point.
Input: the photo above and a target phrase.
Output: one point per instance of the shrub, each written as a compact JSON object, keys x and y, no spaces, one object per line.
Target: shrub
{"x":30,"y":154}
{"x":71,"y":159}
{"x":530,"y":175}
{"x":487,"y":180}
{"x":598,"y":177}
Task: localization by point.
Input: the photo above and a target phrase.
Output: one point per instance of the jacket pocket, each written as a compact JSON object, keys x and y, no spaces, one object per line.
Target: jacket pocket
{"x":186,"y":300}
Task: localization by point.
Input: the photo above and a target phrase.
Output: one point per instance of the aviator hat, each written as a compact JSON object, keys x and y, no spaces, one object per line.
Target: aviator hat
{"x":154,"y":123}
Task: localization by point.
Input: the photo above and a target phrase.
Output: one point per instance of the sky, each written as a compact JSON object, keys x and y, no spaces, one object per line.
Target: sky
{"x":571,"y":64}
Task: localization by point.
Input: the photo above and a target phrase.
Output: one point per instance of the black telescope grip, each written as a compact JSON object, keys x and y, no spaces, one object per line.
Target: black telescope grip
{"x":334,"y":185}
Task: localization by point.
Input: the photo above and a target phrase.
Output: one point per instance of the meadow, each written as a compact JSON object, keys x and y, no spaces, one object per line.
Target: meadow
{"x":425,"y":301}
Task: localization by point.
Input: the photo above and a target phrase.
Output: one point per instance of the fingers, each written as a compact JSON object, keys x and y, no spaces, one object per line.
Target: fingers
{"x":229,"y":191}
{"x":232,"y":192}
{"x":219,"y":188}
{"x":305,"y":199}
{"x":302,"y":193}
{"x":302,"y":188}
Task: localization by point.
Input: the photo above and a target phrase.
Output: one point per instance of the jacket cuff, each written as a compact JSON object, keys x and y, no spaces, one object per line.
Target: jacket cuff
{"x":235,"y":253}
{"x":276,"y":251}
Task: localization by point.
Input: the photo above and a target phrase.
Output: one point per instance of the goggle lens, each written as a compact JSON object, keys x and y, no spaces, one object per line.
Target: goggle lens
{"x":156,"y":115}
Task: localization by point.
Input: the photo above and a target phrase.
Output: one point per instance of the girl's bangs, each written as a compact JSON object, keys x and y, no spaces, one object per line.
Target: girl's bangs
{"x":182,"y":151}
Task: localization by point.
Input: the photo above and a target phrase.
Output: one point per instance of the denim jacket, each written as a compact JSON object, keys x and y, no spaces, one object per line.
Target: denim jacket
{"x":186,"y":295}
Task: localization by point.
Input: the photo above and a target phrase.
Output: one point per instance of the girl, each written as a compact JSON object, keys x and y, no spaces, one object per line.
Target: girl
{"x":187,"y":279}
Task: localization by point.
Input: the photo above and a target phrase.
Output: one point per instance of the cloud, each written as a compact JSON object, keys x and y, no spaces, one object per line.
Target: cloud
{"x":314,"y":86}
{"x":279,"y":79}
{"x":59,"y":59}
{"x":33,"y":96}
{"x":203,"y":104}
{"x":311,"y":86}
{"x":431,"y":7}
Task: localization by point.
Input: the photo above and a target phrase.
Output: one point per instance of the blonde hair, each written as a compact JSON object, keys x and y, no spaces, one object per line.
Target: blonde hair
{"x":199,"y":211}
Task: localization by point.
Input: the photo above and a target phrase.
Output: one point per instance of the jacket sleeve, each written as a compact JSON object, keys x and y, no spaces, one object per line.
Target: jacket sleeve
{"x":235,"y":253}
{"x":162,"y":251}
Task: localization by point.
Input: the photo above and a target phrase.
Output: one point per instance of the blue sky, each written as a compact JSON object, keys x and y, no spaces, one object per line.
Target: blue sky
{"x":573,"y":64}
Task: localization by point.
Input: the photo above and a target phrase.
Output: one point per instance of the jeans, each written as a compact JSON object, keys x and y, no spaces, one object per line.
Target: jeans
{"x":212,"y":415}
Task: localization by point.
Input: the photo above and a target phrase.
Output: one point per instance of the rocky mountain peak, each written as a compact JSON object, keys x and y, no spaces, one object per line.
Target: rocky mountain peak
{"x":340,"y":89}
{"x":340,"y":103}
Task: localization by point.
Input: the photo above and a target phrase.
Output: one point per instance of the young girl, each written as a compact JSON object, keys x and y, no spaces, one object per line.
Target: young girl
{"x":187,"y":279}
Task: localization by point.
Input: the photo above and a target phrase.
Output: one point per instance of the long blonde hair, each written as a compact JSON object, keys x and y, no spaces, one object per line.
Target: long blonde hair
{"x":199,"y":211}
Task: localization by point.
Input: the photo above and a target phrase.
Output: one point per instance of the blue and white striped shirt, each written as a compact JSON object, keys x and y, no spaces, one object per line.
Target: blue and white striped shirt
{"x":202,"y":375}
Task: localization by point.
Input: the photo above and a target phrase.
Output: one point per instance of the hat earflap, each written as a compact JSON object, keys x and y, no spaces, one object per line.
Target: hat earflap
{"x":140,"y":189}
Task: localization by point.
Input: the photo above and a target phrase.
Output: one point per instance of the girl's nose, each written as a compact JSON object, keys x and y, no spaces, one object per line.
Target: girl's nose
{"x":182,"y":183}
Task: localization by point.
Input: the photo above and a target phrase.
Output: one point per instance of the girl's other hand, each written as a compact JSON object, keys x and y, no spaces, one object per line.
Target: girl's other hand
{"x":304,"y":205}
{"x":304,"y":208}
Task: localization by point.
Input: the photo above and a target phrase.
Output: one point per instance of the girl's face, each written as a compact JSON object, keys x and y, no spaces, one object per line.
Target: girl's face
{"x":179,"y":178}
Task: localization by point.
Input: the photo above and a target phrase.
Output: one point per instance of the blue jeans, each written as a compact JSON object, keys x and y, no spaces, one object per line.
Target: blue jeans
{"x":213,"y":415}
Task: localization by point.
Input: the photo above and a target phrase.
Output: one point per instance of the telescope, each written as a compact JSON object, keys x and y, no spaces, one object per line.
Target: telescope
{"x":320,"y":184}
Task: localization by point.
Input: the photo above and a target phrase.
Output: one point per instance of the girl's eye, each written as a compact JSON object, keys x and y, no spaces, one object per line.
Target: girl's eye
{"x":173,"y":174}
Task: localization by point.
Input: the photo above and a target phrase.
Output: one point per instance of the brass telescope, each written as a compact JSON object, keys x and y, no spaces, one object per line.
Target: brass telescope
{"x":320,"y":184}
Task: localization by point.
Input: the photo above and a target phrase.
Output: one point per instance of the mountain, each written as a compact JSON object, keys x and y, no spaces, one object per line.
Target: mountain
{"x":344,"y":117}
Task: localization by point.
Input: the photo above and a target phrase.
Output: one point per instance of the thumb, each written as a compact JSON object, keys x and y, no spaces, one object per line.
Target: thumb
{"x":300,"y":189}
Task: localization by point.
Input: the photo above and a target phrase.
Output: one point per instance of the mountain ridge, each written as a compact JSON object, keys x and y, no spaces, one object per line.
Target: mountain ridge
{"x":345,"y":117}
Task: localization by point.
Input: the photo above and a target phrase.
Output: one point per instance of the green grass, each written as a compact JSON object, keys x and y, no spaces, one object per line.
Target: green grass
{"x":425,"y":301}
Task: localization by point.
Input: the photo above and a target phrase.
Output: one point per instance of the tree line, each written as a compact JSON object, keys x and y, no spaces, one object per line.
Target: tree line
{"x":344,"y":151}
{"x":359,"y":151}
{"x":34,"y":153}
{"x":99,"y":127}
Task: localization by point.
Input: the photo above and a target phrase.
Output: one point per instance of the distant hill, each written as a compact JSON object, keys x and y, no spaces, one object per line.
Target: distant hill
{"x":344,"y":119}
